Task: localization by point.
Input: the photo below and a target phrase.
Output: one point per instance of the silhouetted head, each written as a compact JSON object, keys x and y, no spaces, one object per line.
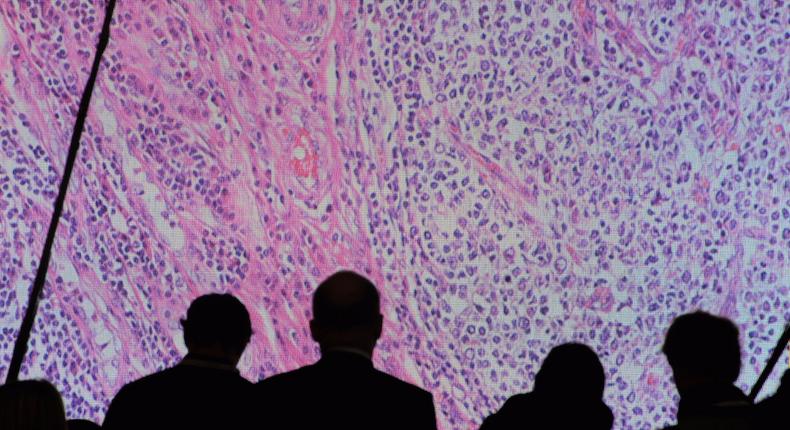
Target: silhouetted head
{"x":34,"y":405}
{"x":572,"y":370}
{"x":217,"y":326}
{"x":702,"y":349}
{"x":82,"y":425}
{"x":346,"y":313}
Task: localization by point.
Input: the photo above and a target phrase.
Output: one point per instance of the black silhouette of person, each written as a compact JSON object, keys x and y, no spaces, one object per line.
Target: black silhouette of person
{"x":704,"y":353}
{"x":204,"y":390}
{"x":568,"y":394}
{"x":343,"y":390}
{"x":31,"y":405}
{"x":773,"y":411}
{"x":80,"y":424}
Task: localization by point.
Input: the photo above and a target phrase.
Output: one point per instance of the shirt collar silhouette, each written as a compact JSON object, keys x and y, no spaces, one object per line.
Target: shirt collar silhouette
{"x":345,"y":358}
{"x":197,"y":360}
{"x":350,"y":350}
{"x":704,"y":399}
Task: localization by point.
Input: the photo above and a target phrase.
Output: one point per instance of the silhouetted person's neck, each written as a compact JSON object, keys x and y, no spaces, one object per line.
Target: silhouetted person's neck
{"x":695,"y":385}
{"x":212,"y":354}
{"x":709,"y":392}
{"x":341,"y":349}
{"x":197,"y":360}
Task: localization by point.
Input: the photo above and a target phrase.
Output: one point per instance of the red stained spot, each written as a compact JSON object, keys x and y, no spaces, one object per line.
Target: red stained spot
{"x":701,"y":192}
{"x":604,"y":299}
{"x":306,"y":166}
{"x":700,"y":198}
{"x":652,"y":379}
{"x":574,"y":255}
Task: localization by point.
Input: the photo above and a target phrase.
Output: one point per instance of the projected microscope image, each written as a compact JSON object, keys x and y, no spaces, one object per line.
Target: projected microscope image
{"x":511,"y":174}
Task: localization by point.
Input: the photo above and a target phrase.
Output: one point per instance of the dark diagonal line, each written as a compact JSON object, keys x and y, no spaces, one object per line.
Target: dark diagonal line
{"x":20,"y":347}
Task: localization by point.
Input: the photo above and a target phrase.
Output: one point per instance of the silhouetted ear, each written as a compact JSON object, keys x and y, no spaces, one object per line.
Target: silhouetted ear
{"x":378,"y":324}
{"x":316,"y":331}
{"x":186,"y":333}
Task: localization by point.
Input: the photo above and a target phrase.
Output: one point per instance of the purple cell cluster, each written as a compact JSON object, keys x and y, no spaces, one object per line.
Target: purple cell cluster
{"x":511,"y":174}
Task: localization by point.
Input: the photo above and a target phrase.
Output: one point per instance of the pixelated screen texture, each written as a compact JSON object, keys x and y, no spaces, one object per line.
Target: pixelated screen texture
{"x":512,"y":175}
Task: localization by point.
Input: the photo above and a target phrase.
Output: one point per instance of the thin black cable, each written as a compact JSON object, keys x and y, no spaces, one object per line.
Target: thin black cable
{"x":769,"y":367}
{"x":20,"y":347}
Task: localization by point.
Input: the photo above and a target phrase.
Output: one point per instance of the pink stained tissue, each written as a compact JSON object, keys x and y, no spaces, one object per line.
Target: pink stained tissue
{"x":512,"y":175}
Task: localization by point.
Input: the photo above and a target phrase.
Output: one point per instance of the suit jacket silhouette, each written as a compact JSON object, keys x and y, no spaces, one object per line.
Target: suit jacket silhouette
{"x":343,"y":391}
{"x":196,"y":393}
{"x":534,"y":411}
{"x":772,"y":412}
{"x":718,"y":407}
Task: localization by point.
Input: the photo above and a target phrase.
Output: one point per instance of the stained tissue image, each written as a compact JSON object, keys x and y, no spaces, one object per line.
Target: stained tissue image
{"x":511,"y":174}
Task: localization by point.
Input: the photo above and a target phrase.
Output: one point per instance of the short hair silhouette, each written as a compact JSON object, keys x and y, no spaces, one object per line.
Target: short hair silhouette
{"x":571,"y":369}
{"x":343,"y":389}
{"x":705,"y":346}
{"x":203,"y":390}
{"x":32,"y":404}
{"x":82,"y":425}
{"x":568,"y":394}
{"x":345,"y":300}
{"x":217,"y":319}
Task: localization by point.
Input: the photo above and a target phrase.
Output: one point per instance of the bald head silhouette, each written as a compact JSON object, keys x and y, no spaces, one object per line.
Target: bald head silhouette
{"x":346,"y":313}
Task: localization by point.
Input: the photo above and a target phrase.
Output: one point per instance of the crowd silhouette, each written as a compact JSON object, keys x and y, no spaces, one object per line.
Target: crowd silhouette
{"x":343,"y":390}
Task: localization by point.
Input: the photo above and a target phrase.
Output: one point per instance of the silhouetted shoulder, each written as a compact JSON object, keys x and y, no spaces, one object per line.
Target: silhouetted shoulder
{"x":348,"y":394}
{"x":313,"y":374}
{"x":128,"y":402}
{"x":178,"y":394}
{"x":518,"y":402}
{"x":147,"y":382}
{"x":399,"y":384}
{"x":133,"y":390}
{"x":285,"y":379}
{"x":510,"y":414}
{"x":524,"y":409}
{"x":174,"y":378}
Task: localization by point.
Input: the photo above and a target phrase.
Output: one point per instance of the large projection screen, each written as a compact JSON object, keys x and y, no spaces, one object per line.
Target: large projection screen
{"x":511,"y":174}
